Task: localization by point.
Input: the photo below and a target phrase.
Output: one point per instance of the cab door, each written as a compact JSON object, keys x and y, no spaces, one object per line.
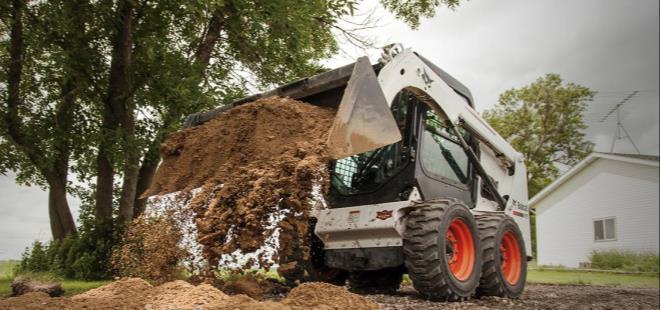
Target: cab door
{"x":443,"y":170}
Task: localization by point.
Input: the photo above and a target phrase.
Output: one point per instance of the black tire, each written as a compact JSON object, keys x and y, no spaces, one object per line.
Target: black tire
{"x":492,"y":228}
{"x":384,"y":281}
{"x":309,"y":268}
{"x":425,"y":247}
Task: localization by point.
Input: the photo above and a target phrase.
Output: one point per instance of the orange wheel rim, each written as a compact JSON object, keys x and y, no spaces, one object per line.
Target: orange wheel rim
{"x":460,"y":249}
{"x":511,"y":262}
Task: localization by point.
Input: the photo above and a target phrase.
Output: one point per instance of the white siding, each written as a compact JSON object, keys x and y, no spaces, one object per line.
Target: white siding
{"x":606,"y":188}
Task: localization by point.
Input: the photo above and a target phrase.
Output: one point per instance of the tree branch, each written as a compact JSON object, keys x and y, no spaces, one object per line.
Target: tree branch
{"x":14,"y":100}
{"x":210,"y":38}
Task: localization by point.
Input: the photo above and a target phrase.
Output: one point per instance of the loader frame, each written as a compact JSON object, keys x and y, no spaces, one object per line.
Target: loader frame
{"x":358,"y":237}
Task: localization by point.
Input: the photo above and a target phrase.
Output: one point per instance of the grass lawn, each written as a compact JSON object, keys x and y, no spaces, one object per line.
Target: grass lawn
{"x":6,"y":274}
{"x":71,"y":287}
{"x":7,"y":268}
{"x":592,"y":278}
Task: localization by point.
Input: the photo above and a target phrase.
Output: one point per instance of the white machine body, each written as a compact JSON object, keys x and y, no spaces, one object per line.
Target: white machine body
{"x":382,"y":225}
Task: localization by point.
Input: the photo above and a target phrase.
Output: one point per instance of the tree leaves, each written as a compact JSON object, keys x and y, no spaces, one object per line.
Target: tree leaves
{"x":410,"y":11}
{"x":544,"y":122}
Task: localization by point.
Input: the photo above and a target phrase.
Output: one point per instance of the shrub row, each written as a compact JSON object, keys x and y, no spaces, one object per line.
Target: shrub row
{"x":625,"y":261}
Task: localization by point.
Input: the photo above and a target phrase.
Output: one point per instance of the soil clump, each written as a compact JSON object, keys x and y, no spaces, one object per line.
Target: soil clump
{"x":21,"y":285}
{"x":259,"y":289}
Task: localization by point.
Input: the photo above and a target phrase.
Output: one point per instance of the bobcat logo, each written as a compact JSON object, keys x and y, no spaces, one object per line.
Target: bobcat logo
{"x":383,"y":215}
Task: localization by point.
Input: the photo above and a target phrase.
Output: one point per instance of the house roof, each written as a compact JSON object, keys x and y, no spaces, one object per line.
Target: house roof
{"x":638,"y":156}
{"x":649,"y":160}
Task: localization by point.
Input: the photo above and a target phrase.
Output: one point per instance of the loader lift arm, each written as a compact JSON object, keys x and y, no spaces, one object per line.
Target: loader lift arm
{"x":472,"y":156}
{"x":451,"y":101}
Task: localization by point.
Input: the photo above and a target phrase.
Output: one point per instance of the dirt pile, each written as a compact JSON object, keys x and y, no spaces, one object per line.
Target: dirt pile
{"x":36,"y":300}
{"x":135,"y":293}
{"x":317,"y":295}
{"x":182,"y":295}
{"x":125,"y":293}
{"x":257,"y":165}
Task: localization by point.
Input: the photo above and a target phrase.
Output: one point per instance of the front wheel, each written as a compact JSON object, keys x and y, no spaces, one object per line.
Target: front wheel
{"x":441,"y":250}
{"x":504,"y":269}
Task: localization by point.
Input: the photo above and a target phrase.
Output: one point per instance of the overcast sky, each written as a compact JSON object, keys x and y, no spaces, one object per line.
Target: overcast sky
{"x":490,"y":46}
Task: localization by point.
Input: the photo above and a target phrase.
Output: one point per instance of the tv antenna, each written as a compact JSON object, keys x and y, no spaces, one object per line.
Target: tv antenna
{"x":620,"y":132}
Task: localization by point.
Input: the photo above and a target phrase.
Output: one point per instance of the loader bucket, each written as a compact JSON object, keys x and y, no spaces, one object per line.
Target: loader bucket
{"x":364,"y":121}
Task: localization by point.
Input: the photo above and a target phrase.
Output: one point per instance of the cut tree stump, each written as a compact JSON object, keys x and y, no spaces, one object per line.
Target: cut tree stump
{"x":22,"y":285}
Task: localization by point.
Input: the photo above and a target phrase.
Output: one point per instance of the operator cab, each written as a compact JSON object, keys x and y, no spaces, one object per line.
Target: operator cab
{"x":429,"y":157}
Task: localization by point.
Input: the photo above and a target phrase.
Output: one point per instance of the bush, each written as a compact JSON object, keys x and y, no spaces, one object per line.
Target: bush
{"x":85,"y":256}
{"x":625,"y":261}
{"x":36,"y":259}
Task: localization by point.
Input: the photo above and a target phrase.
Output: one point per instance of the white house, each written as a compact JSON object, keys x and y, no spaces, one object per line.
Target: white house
{"x":607,"y":201}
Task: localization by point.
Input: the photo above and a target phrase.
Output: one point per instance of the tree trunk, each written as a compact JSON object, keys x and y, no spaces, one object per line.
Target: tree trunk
{"x":62,"y":223}
{"x":55,"y":171}
{"x":115,"y":106}
{"x":56,"y":228}
{"x":131,"y":170}
{"x":58,"y":206}
{"x":205,"y":49}
{"x":146,"y":176}
{"x":104,"y":178}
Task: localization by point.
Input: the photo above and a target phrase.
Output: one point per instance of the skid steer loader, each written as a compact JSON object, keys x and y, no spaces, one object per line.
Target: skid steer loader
{"x":421,"y":184}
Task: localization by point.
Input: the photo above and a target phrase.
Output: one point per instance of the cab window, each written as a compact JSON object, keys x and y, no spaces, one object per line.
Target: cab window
{"x":441,"y":152}
{"x":367,"y":171}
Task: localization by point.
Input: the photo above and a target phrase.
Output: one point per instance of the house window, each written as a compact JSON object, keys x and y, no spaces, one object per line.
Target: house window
{"x":605,"y":229}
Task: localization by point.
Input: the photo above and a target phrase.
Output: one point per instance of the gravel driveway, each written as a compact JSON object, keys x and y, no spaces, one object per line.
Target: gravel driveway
{"x":536,"y":296}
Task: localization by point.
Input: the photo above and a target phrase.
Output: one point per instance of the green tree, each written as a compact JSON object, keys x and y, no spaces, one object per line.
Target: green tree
{"x":544,"y":122}
{"x":93,"y":87}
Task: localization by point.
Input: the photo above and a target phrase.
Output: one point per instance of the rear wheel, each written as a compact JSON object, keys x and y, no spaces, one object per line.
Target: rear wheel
{"x":440,"y":247}
{"x":384,"y":281}
{"x":504,"y":269}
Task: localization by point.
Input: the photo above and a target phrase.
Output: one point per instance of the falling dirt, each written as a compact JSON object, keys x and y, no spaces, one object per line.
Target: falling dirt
{"x":134,"y":293}
{"x":256,"y":164}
